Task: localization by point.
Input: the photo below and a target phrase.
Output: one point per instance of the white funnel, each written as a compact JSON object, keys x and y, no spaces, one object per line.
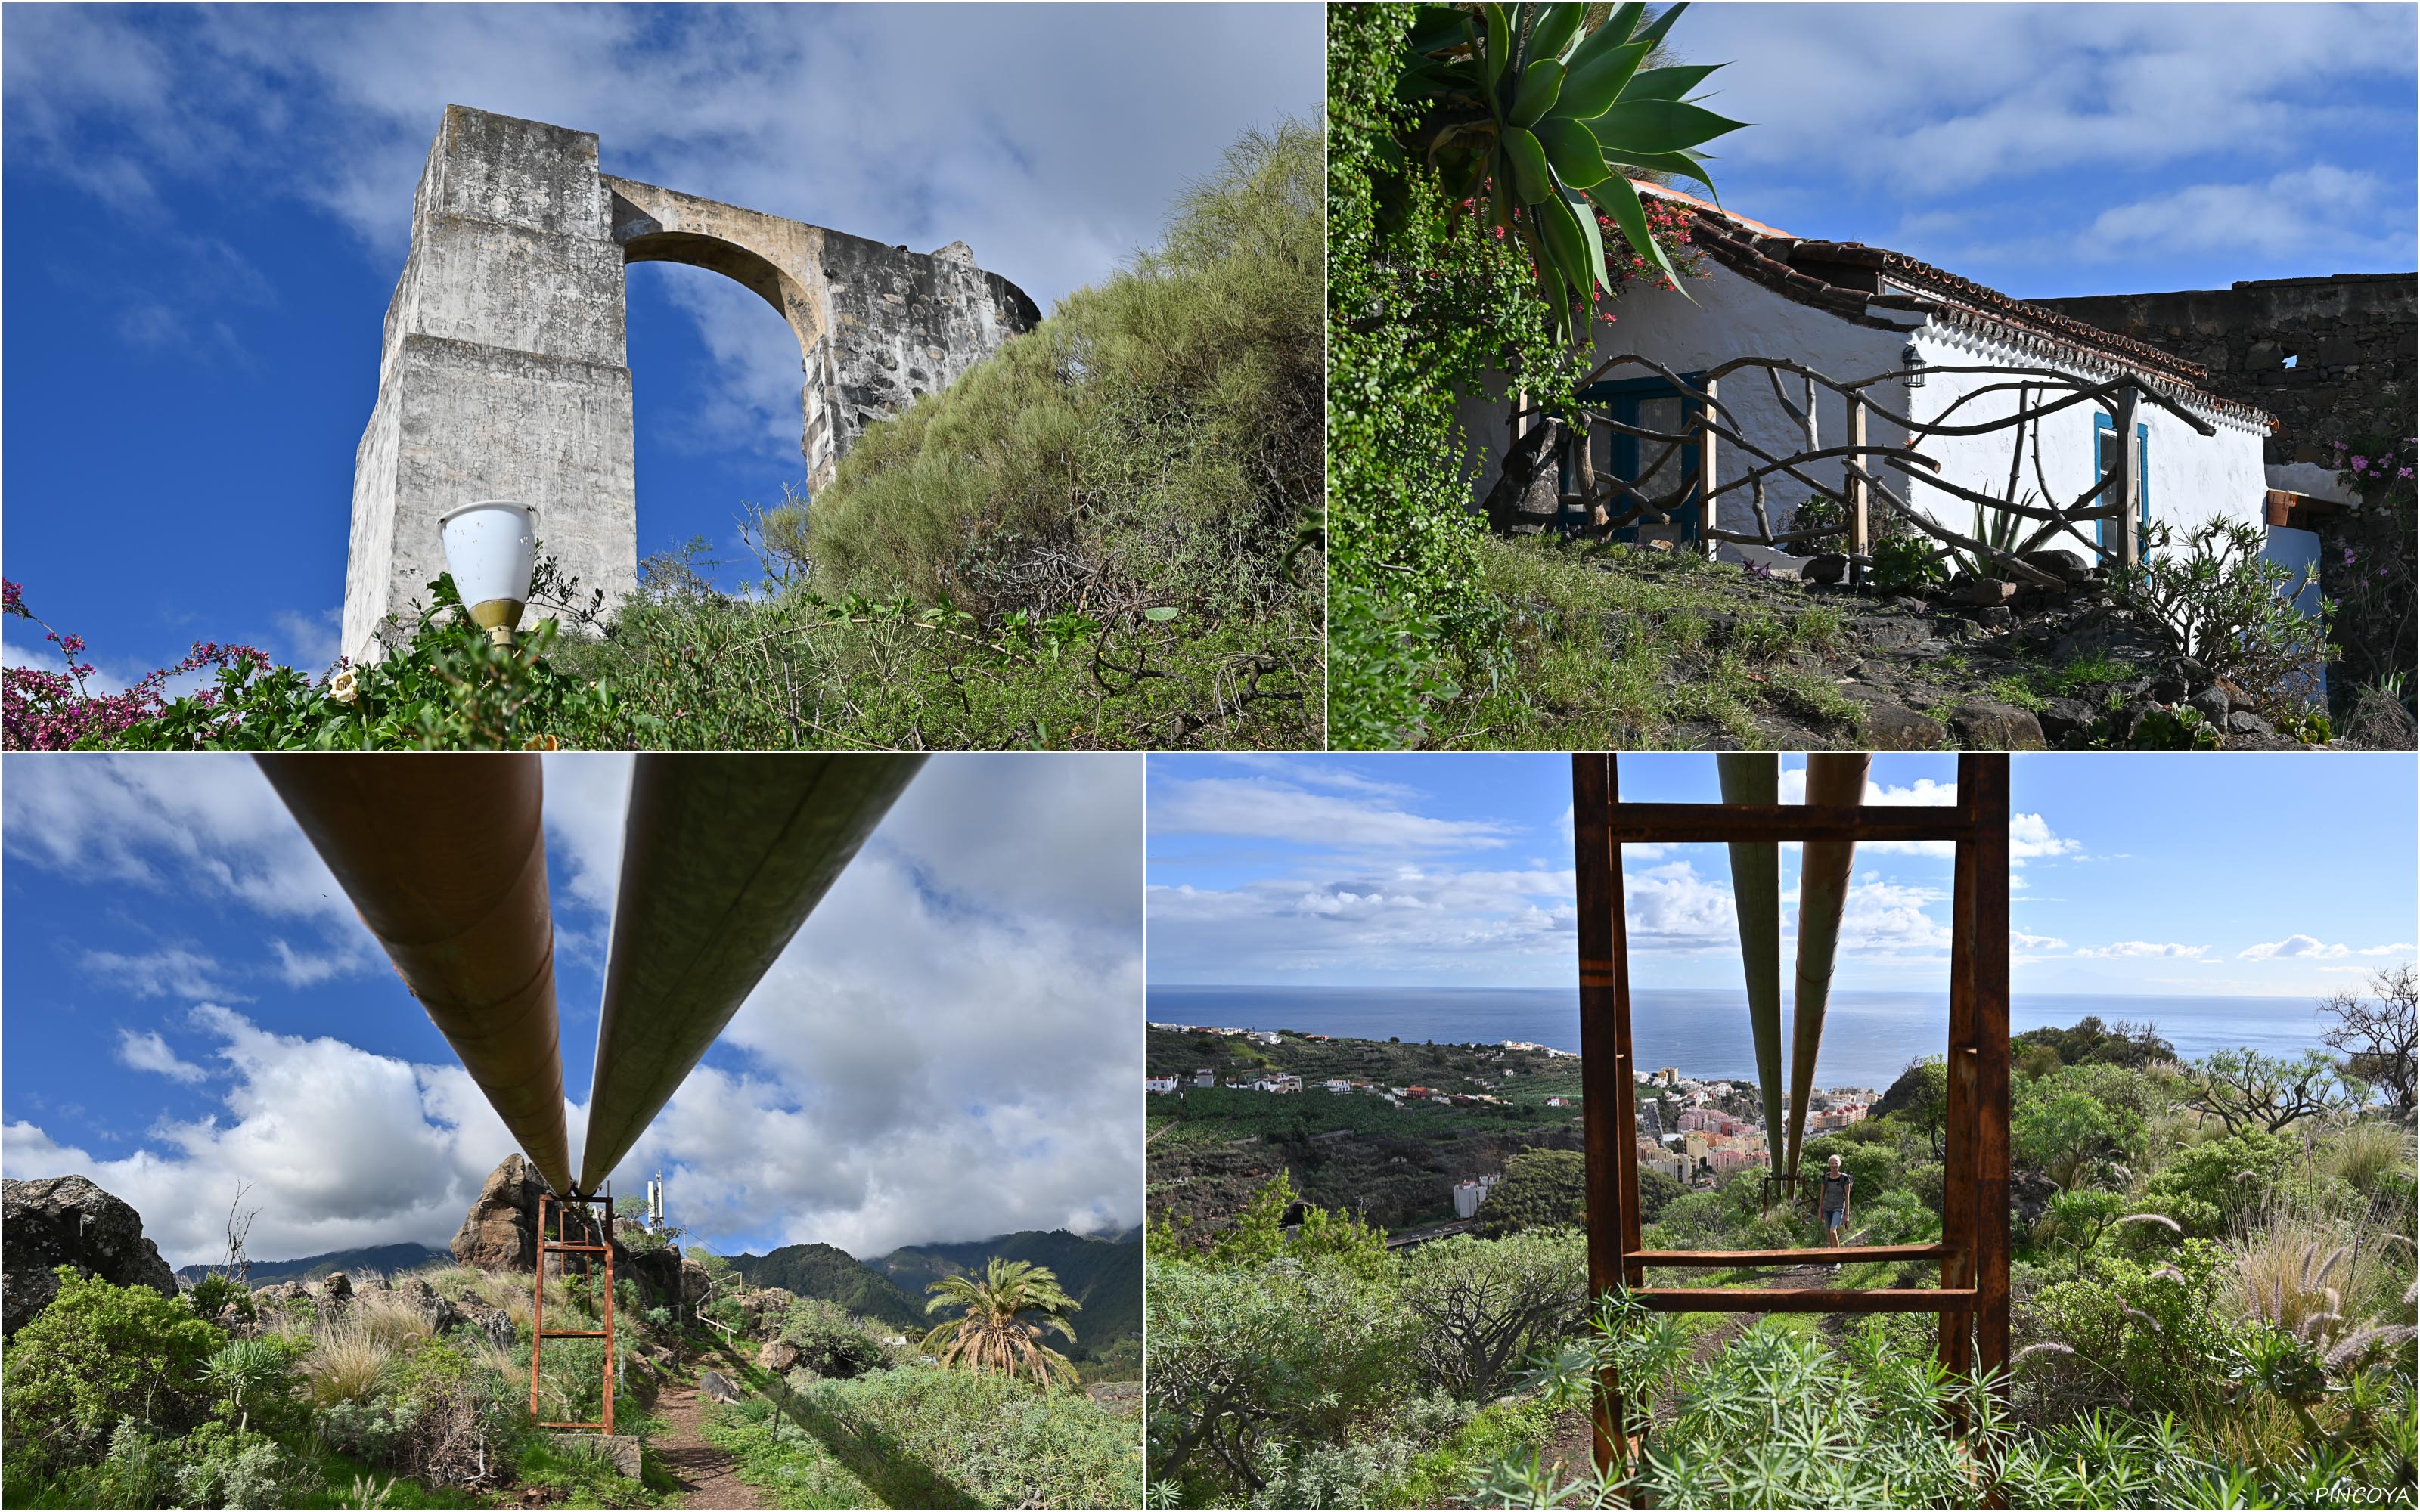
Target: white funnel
{"x":492,"y":551}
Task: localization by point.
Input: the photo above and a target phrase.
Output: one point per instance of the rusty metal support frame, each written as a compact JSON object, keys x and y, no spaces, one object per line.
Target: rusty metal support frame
{"x":1973,"y":1297}
{"x":553,"y":1218}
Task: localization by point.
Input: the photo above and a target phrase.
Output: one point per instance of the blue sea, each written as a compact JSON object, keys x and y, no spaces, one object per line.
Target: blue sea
{"x":1869,"y":1036}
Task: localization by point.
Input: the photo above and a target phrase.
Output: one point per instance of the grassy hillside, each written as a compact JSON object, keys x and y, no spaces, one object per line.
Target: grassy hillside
{"x":1394,"y":1164}
{"x":1105,"y":1275}
{"x":386,"y":1260}
{"x":822,"y":1271}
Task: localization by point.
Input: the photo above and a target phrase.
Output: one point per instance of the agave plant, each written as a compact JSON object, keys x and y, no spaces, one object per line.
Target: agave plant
{"x":1755,"y":777}
{"x":1540,"y":118}
{"x":1835,"y":779}
{"x":995,"y":1332}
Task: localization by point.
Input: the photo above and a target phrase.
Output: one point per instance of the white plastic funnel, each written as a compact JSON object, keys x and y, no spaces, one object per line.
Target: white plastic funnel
{"x":492,"y":551}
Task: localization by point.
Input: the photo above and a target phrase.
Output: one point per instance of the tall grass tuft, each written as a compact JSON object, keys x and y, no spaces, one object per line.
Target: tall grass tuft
{"x":348,"y":1362}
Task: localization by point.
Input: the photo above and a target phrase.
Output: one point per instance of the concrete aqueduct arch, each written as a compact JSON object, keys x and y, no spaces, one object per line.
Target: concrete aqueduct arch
{"x":503,"y":374}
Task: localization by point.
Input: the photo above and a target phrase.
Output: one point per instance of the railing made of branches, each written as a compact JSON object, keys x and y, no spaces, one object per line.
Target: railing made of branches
{"x":1711,"y":425}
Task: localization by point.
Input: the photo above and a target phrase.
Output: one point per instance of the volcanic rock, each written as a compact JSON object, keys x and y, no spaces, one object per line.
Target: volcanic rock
{"x":500,"y":1232}
{"x":65,"y":1220}
{"x":777,"y":1355}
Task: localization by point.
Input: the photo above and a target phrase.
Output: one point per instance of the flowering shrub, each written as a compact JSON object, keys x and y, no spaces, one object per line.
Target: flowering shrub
{"x":449,"y":688}
{"x":1668,"y":225}
{"x":2375,"y":467}
{"x":2366,"y":566}
{"x":41,"y":710}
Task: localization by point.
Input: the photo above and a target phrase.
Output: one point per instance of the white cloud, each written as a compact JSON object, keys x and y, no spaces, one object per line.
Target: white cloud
{"x":147,"y":1051}
{"x":1983,"y":94}
{"x":171,"y":972}
{"x":1266,"y":808}
{"x":2388,"y":949}
{"x":2036,"y":942}
{"x":2300,"y":946}
{"x":336,"y":1144}
{"x":2127,"y":949}
{"x":2305,"y":210}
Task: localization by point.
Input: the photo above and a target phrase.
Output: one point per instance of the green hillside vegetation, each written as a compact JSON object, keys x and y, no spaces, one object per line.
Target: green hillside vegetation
{"x":383,"y":1259}
{"x":2208,"y":1311}
{"x":119,"y":1396}
{"x":1393,"y":1166}
{"x":1104,"y":1276}
{"x":1106,"y":534}
{"x":836,"y":1275}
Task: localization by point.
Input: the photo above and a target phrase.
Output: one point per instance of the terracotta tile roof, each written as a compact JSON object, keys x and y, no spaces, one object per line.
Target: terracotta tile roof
{"x":1833,"y":276}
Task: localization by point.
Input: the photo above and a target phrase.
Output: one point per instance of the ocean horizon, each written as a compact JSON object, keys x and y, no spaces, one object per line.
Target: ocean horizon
{"x":1869,"y":1036}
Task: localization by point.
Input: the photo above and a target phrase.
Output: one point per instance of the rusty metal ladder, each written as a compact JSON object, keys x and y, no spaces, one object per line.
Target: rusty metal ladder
{"x":550,"y":1241}
{"x":1972,"y":1300}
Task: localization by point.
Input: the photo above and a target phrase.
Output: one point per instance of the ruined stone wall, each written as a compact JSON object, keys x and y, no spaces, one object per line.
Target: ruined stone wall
{"x":2351,"y":336}
{"x":503,"y":372}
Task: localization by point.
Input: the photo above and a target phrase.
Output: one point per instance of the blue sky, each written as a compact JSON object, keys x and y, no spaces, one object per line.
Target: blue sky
{"x":2057,"y":149}
{"x":945,"y":1052}
{"x":210,"y":208}
{"x":2147,"y":874}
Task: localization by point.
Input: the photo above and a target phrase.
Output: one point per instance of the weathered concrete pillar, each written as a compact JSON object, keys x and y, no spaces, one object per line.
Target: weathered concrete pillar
{"x":502,"y":374}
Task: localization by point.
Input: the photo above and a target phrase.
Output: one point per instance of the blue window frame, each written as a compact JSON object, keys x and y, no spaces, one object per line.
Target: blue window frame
{"x":2104,"y":430}
{"x":1623,"y":401}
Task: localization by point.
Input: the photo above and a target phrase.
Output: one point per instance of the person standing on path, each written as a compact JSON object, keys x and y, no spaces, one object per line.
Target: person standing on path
{"x":1832,"y":1203}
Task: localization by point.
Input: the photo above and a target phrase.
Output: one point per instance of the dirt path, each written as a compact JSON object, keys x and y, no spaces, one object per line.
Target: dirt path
{"x":706,"y":1474}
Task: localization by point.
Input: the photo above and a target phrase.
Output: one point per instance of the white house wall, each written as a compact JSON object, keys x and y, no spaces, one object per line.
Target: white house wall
{"x":2192,"y":477}
{"x":1718,"y":318}
{"x":1724,"y":316}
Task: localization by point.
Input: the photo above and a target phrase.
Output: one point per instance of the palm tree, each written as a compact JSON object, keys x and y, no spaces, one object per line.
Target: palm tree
{"x":994,"y":1332}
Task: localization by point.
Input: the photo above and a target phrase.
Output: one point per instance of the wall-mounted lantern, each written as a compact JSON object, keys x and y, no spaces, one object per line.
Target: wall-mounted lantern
{"x":491,"y":549}
{"x":1914,"y":362}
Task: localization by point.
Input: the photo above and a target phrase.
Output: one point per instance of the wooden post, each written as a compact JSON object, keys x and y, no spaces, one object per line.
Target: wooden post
{"x":1853,"y":493}
{"x":1983,"y":780}
{"x":1958,"y":1113}
{"x":1601,"y":1060}
{"x":607,"y":1238}
{"x":537,"y":1324}
{"x":2124,"y":533}
{"x":1707,"y":414}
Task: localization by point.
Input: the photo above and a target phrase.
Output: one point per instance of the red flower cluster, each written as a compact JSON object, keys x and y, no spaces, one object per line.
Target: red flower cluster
{"x":52,"y":710}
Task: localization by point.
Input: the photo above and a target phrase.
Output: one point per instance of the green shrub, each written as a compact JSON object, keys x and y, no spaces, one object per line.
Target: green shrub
{"x":1247,"y":1357}
{"x":2216,"y":599}
{"x":100,"y":1353}
{"x":2208,"y":1186}
{"x":1905,"y":564}
{"x":223,"y":1467}
{"x":921,"y":1437}
{"x":832,"y":1342}
{"x":1483,"y":1305}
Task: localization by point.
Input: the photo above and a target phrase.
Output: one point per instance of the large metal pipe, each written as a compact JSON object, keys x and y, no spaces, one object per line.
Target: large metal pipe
{"x":723,"y":859}
{"x":444,"y":856}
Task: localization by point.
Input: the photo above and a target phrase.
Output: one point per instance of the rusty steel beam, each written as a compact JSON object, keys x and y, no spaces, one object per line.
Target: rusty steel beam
{"x":723,"y":859}
{"x":1797,"y":1300}
{"x":444,"y":857}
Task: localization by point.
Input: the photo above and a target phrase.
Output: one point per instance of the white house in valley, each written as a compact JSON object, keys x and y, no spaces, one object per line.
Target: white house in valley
{"x":1849,"y":311}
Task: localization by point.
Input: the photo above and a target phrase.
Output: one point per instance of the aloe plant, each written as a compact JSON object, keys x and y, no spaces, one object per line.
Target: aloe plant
{"x":1752,"y":777}
{"x":1835,"y":779}
{"x":1540,"y":118}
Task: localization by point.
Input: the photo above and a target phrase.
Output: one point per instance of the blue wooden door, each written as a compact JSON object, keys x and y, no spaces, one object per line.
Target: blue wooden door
{"x":1653,"y":405}
{"x":2104,"y":456}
